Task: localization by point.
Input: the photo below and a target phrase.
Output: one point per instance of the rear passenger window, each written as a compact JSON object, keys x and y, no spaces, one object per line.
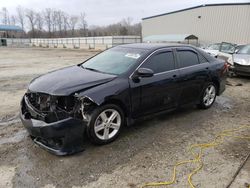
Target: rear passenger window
{"x":187,"y":58}
{"x":203,"y":59}
{"x":161,"y":62}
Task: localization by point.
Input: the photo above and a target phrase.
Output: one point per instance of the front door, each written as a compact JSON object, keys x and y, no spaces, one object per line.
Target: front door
{"x":159,"y":92}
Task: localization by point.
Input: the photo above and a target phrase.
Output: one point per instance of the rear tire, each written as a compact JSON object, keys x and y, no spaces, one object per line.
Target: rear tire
{"x":208,"y":96}
{"x":105,"y":124}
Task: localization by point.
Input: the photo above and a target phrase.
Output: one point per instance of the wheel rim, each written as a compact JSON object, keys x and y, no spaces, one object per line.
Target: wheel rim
{"x":209,"y":96}
{"x":107,"y":124}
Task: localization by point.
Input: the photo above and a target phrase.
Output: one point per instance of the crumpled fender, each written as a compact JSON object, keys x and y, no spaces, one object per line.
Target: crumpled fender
{"x":118,"y":89}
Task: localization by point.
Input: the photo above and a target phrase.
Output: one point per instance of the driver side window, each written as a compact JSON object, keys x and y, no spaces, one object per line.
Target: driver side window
{"x":161,"y":62}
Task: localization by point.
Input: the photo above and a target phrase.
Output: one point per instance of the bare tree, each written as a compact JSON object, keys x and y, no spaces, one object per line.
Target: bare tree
{"x":54,"y":21}
{"x":72,"y":24}
{"x":31,"y":15}
{"x":20,"y":16}
{"x":13,"y":20}
{"x":48,"y":19}
{"x":65,"y":18}
{"x":39,"y":23}
{"x":83,"y":24}
{"x":5,"y":16}
{"x":127,"y":21}
{"x":59,"y":21}
{"x":124,"y":27}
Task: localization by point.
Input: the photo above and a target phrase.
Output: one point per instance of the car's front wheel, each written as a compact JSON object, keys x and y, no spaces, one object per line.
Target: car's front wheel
{"x":105,"y":124}
{"x":208,"y":96}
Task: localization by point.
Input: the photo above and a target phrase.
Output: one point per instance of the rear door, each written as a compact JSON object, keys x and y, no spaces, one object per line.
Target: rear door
{"x":194,"y":73}
{"x":159,"y":92}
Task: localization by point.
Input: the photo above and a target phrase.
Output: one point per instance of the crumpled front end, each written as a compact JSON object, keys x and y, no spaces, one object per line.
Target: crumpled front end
{"x":242,"y":69}
{"x":54,"y":122}
{"x":241,"y":64}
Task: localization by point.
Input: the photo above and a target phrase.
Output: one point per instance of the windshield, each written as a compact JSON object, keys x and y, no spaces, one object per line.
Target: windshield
{"x":214,"y":47}
{"x":228,"y":48}
{"x":115,"y":60}
{"x":245,"y":50}
{"x":239,"y":47}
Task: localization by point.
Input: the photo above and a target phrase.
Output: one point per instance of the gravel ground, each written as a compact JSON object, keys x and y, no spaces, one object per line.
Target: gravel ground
{"x":143,"y":153}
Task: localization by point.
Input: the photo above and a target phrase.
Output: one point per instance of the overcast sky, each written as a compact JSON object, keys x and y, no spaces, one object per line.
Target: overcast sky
{"x":104,"y":12}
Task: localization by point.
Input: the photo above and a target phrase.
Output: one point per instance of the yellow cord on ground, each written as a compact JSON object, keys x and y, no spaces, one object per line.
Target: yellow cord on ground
{"x":197,"y":156}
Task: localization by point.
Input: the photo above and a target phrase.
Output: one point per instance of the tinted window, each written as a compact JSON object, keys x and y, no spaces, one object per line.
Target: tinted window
{"x":161,"y":62}
{"x":187,"y":58}
{"x":202,"y":59}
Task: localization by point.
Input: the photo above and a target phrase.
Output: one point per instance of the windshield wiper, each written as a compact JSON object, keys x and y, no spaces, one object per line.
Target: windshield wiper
{"x":91,"y":69}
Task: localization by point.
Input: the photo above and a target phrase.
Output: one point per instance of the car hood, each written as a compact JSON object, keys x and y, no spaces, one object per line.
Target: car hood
{"x":212,"y":52}
{"x":242,"y":59}
{"x":68,"y":80}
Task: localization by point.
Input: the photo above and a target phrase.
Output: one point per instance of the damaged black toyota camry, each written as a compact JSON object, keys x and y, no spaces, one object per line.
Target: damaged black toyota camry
{"x":112,"y":89}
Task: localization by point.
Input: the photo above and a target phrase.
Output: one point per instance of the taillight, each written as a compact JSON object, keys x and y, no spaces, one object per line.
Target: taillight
{"x":225,"y":68}
{"x":227,"y":65}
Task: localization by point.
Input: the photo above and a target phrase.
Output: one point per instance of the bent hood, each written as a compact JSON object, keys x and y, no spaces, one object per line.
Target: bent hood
{"x":68,"y":80}
{"x":242,"y":59}
{"x":212,"y":52}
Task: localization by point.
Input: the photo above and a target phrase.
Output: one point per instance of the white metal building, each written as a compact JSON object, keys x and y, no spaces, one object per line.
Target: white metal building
{"x":210,"y":23}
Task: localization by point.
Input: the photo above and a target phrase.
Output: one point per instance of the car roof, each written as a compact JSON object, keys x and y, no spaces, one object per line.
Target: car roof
{"x":153,"y":46}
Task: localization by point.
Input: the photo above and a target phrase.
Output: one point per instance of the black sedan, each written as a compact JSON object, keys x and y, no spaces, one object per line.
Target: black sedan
{"x":113,"y":89}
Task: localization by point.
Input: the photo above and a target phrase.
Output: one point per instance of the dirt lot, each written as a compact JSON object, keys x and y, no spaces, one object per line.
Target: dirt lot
{"x":143,"y":153}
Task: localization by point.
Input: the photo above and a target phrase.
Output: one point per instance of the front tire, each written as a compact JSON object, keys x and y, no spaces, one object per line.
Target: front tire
{"x":208,"y":96}
{"x":105,"y":124}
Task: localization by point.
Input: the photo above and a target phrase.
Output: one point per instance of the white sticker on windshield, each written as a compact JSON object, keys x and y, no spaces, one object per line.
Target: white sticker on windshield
{"x":134,"y":56}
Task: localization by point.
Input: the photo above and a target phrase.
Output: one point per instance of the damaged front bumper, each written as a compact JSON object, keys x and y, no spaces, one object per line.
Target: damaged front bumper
{"x":62,"y":137}
{"x":243,"y":70}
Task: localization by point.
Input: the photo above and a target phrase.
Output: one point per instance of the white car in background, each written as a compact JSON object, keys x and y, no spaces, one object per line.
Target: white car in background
{"x":227,"y":50}
{"x":213,"y":49}
{"x":223,"y":50}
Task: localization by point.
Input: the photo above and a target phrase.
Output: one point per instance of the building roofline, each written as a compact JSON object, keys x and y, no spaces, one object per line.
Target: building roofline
{"x":10,"y":28}
{"x":199,"y":6}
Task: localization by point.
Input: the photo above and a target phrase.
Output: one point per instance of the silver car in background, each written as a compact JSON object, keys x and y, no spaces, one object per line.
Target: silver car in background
{"x":241,"y":61}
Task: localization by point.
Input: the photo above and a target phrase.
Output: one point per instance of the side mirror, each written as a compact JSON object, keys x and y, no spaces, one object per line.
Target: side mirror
{"x":236,"y":50}
{"x":144,"y":72}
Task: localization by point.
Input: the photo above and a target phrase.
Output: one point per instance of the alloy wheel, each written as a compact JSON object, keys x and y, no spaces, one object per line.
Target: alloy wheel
{"x":107,"y":124}
{"x":209,"y":95}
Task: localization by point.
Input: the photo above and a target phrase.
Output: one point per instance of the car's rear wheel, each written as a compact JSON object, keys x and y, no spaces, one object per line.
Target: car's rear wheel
{"x":208,"y":96}
{"x":105,"y":124}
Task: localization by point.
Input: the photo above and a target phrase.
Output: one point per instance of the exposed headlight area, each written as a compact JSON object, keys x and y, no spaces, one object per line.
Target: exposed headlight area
{"x":65,"y":103}
{"x":230,"y":61}
{"x":39,"y":101}
{"x":49,"y":108}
